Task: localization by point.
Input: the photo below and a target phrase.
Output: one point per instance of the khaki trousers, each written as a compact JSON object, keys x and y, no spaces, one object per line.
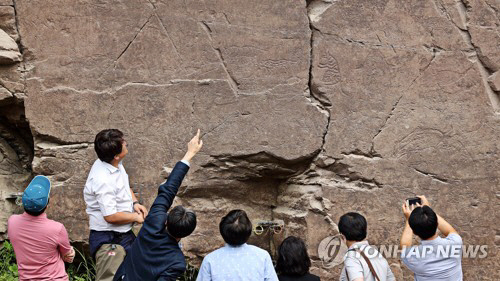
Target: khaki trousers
{"x":108,"y":259}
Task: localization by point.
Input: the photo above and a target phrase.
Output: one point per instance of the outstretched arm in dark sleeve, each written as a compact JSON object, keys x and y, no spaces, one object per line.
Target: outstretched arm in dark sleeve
{"x":155,"y":221}
{"x":168,"y":190}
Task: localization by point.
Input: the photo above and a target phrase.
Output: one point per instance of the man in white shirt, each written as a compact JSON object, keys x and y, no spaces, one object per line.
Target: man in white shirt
{"x":436,"y":258}
{"x":111,"y":204}
{"x":361,"y":262}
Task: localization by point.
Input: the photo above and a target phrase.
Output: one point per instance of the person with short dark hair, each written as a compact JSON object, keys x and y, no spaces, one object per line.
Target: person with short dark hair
{"x":293,"y":261}
{"x":155,"y":254}
{"x":111,"y":204}
{"x":436,"y":258}
{"x":362,"y":262}
{"x":235,"y":228}
{"x":237,"y":260}
{"x":41,"y":245}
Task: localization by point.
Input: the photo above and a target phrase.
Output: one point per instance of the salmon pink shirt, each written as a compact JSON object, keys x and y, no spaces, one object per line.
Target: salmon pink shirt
{"x":39,"y":244}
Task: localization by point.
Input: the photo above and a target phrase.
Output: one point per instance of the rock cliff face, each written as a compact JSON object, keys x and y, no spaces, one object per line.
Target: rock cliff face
{"x":309,"y":109}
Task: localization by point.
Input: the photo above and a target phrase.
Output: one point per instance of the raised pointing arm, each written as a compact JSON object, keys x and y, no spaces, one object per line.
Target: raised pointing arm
{"x":168,"y":190}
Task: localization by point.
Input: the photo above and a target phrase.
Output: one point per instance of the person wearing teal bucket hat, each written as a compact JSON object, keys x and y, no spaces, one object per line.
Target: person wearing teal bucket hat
{"x":41,"y":245}
{"x":36,"y":196}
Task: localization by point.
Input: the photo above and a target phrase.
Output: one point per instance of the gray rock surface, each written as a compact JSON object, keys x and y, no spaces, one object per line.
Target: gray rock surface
{"x":8,"y":20}
{"x":9,"y":51}
{"x":308,"y":109}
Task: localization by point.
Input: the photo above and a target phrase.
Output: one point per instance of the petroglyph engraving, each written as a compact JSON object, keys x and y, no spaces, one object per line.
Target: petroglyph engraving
{"x":332,"y":72}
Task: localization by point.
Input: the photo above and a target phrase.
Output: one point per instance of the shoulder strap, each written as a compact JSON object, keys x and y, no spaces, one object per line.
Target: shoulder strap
{"x":369,"y":264}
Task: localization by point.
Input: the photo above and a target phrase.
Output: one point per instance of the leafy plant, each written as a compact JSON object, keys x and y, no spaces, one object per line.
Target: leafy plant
{"x":190,"y":274}
{"x":84,"y":271}
{"x":8,"y":266}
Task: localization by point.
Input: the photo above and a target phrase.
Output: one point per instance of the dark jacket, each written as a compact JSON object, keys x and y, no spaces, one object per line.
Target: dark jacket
{"x":155,"y":255}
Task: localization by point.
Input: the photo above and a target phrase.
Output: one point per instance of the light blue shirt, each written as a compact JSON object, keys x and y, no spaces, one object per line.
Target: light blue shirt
{"x":436,"y":260}
{"x":245,"y":263}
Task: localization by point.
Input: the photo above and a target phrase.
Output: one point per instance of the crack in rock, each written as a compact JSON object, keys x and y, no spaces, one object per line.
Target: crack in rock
{"x":22,"y":69}
{"x":435,"y":51}
{"x":315,"y":8}
{"x":19,"y":142}
{"x":224,"y":121}
{"x":432,"y":176}
{"x":16,"y":17}
{"x":344,"y":171}
{"x":168,"y":35}
{"x":389,"y":116}
{"x":360,"y":155}
{"x":337,"y":174}
{"x":232,"y":81}
{"x":133,"y":39}
{"x":260,"y":165}
{"x":126,"y":47}
{"x":313,"y":99}
{"x":52,"y":141}
{"x":475,"y":55}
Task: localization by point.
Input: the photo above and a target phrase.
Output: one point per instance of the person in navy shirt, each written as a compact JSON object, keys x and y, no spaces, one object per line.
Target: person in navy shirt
{"x":155,"y":253}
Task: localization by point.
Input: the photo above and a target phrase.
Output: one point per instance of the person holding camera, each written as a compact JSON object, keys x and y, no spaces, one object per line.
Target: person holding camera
{"x":436,"y":258}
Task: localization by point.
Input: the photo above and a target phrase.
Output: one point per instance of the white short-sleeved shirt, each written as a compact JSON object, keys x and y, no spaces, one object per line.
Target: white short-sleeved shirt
{"x":436,"y":260}
{"x":106,"y":192}
{"x":357,"y":267}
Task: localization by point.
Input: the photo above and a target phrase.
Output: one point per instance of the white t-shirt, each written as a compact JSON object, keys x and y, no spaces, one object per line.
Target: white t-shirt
{"x":436,"y":260}
{"x":106,"y":192}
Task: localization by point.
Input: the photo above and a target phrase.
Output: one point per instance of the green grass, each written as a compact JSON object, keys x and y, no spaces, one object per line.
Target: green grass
{"x":190,"y":274}
{"x":83,"y":271}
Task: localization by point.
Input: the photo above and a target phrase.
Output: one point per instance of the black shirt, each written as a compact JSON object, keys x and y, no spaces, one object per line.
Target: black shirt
{"x":306,"y":277}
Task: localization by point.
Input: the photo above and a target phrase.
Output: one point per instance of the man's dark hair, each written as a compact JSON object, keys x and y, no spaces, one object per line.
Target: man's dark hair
{"x":181,"y":222}
{"x":108,"y":143}
{"x":353,"y":226}
{"x":235,"y":227}
{"x":293,"y":259}
{"x":36,"y":214}
{"x":424,"y":222}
